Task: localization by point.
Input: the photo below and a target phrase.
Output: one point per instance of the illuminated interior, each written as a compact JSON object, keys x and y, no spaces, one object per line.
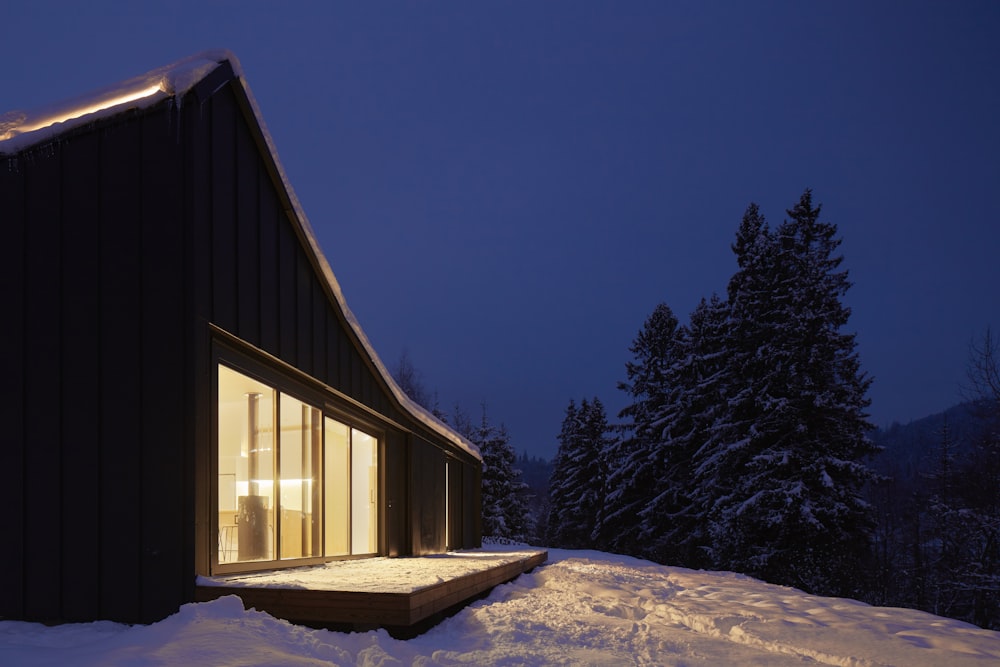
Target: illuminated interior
{"x":301,"y":441}
{"x":337,"y":472}
{"x":310,"y":487}
{"x":364,"y":493}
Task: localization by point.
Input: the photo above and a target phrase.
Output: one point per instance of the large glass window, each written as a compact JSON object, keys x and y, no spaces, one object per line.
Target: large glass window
{"x":364,"y":493}
{"x":299,"y":466}
{"x":338,"y":488}
{"x":246,"y":468}
{"x":309,"y":486}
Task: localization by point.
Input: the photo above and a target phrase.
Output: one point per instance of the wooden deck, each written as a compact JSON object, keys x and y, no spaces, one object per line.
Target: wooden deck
{"x":403,"y":613}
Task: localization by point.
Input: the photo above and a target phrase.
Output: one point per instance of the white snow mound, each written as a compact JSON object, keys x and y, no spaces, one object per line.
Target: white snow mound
{"x":583,"y":608}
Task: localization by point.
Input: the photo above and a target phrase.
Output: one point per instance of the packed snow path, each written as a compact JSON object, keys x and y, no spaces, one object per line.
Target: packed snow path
{"x":589,"y":608}
{"x":584,"y":608}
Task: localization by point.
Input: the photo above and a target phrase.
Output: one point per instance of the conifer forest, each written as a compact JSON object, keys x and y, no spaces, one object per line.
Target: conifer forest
{"x":745,"y":446}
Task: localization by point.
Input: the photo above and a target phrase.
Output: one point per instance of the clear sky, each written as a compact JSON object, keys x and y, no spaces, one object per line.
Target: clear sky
{"x":507,"y":189}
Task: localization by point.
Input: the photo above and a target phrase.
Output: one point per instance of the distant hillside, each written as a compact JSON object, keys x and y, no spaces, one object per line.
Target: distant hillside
{"x":908,"y":449}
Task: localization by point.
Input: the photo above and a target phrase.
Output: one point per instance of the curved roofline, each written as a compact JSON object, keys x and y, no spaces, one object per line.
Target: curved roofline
{"x":20,"y":130}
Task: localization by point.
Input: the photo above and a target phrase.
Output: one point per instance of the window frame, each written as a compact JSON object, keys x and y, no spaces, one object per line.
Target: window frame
{"x":238,"y":356}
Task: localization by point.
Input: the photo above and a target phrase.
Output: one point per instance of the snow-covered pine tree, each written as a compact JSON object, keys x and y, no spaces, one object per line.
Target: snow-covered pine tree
{"x":719,"y":464}
{"x":673,"y":520}
{"x":505,"y":512}
{"x":629,"y":459}
{"x":577,"y":486}
{"x":560,"y":510}
{"x":788,"y":461}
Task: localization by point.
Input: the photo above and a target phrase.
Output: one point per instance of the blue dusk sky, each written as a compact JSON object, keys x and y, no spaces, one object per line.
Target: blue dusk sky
{"x":507,"y":189}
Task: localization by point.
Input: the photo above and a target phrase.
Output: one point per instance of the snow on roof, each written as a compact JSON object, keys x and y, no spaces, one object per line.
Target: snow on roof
{"x":21,"y":129}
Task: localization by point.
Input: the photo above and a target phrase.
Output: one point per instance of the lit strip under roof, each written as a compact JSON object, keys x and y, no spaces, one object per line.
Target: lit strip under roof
{"x":30,"y":124}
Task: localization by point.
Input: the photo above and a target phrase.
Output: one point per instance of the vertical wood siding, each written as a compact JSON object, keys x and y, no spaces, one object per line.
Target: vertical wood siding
{"x":43,"y":465}
{"x":396,"y":467}
{"x":123,"y":242}
{"x":81,"y":369}
{"x":100,"y":521}
{"x":118,"y":447}
{"x":456,"y":509}
{"x":166,"y":572}
{"x":12,"y":405}
{"x":427,"y":495}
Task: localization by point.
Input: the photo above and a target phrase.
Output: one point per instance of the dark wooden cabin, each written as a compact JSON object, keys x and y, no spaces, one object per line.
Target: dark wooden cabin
{"x":184,"y":389}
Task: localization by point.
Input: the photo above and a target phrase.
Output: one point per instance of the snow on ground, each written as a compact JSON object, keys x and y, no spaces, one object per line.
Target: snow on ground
{"x":583,"y":608}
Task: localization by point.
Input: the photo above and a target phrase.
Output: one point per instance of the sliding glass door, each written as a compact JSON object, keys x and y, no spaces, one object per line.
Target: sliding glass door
{"x":246,"y":468}
{"x":306,"y":489}
{"x":300,"y":450}
{"x":364,"y":493}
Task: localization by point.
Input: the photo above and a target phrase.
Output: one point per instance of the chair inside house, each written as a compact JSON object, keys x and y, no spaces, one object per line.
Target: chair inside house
{"x":228,"y":537}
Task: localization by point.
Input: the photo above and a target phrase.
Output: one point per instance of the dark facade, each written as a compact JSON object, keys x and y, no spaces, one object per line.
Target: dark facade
{"x":142,"y":252}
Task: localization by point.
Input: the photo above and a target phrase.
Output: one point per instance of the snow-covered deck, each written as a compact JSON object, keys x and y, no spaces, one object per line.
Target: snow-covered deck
{"x":401,"y":594}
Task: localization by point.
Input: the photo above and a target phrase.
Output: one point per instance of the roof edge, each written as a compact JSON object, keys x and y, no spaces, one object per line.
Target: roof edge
{"x":22,"y":129}
{"x":417,"y":411}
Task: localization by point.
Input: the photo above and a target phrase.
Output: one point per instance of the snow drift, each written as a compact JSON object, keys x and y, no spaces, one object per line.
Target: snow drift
{"x":583,"y":608}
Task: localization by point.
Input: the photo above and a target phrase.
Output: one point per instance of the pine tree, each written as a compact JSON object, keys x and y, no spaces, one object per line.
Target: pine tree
{"x":561,"y":510}
{"x":787,"y":461}
{"x":630,"y":459}
{"x":672,"y":521}
{"x":719,"y":463}
{"x":577,"y":486}
{"x":505,"y":512}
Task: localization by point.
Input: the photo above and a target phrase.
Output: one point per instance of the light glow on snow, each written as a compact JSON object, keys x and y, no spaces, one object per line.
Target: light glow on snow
{"x":92,"y":107}
{"x":583,"y":608}
{"x":22,"y":129}
{"x":376,"y":575}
